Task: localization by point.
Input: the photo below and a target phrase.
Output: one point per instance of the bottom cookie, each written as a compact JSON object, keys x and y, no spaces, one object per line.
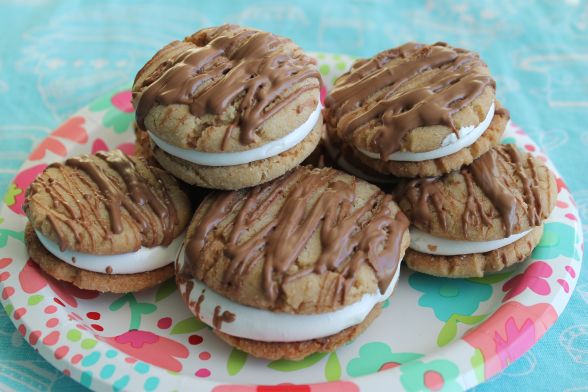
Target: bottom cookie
{"x":90,"y":280}
{"x":298,"y":350}
{"x":477,"y":264}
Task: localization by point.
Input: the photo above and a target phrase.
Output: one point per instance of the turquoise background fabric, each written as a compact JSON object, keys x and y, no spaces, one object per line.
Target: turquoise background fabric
{"x":55,"y":57}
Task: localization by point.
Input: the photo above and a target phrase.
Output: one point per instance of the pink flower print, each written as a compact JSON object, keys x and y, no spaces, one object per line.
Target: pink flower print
{"x":122,"y":101}
{"x":509,"y":333}
{"x":323,"y":94}
{"x":16,"y":192}
{"x":517,"y":341}
{"x":533,"y":278}
{"x":149,"y":347}
{"x":137,"y":338}
{"x":73,"y":130}
{"x":100,"y":145}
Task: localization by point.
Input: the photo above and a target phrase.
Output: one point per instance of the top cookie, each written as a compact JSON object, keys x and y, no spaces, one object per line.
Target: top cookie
{"x":226,"y":89}
{"x":312,"y":241}
{"x":108,"y":203}
{"x":503,"y":192}
{"x":410,"y":98}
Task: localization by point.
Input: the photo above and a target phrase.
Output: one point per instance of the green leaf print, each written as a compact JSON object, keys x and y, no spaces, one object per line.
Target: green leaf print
{"x":333,"y":368}
{"x":449,"y":330}
{"x":189,"y":325}
{"x":236,"y":361}
{"x":137,"y":309}
{"x":284,"y":365}
{"x":165,"y":289}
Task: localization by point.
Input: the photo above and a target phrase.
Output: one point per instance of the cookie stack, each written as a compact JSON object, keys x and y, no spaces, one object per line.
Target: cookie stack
{"x":426,"y":117}
{"x":281,"y":260}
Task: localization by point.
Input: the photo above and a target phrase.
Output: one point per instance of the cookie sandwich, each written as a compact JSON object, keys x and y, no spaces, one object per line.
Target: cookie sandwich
{"x":480,"y":219}
{"x":230,"y":107}
{"x":296,"y":266}
{"x":107,"y":222}
{"x":416,"y":110}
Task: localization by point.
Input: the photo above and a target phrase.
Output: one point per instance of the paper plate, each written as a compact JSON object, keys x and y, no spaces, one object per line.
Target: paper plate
{"x":434,"y":334}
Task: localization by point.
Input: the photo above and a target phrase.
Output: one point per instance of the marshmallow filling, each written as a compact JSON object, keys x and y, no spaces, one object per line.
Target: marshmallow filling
{"x":429,"y":244}
{"x":267,"y":326}
{"x":143,"y":260}
{"x":265,"y":151}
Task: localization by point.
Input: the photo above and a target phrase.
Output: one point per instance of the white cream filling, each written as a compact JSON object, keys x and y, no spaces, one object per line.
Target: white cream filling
{"x":429,"y":244}
{"x":268,"y":150}
{"x":143,"y":260}
{"x":351,"y":169}
{"x":450,"y":145}
{"x":267,"y":326}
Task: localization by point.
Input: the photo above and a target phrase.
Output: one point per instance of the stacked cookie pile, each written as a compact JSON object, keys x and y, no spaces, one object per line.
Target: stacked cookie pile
{"x":281,"y":260}
{"x":425,"y":118}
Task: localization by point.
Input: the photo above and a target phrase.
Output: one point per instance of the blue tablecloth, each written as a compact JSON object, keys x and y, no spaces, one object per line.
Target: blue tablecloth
{"x":57,"y":56}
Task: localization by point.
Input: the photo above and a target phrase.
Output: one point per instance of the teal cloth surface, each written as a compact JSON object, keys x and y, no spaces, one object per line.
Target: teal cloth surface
{"x":55,"y":57}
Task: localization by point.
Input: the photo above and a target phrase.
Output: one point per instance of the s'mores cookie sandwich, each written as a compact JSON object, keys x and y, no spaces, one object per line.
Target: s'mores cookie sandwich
{"x":295,"y":266}
{"x":480,"y":219}
{"x":107,"y":222}
{"x":230,"y":107}
{"x":415,"y":111}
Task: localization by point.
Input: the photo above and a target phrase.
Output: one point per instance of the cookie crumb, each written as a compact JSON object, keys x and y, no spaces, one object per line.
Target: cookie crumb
{"x":73,"y":259}
{"x":109,"y":270}
{"x":432,"y":248}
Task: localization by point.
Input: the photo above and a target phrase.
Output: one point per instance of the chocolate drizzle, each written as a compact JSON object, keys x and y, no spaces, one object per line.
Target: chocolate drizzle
{"x":487,"y":175}
{"x":421,"y":194}
{"x":82,"y":208}
{"x":493,"y":175}
{"x":369,"y":234}
{"x":226,"y":65}
{"x":474,"y":215}
{"x":408,"y":87}
{"x":219,"y":318}
{"x":141,"y":193}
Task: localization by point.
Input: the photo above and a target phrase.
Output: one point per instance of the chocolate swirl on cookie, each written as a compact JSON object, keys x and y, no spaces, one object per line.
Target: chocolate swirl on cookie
{"x":80,"y":195}
{"x":422,"y":193}
{"x":495,"y":174}
{"x":226,"y":65}
{"x":488,"y":176}
{"x":313,"y":200}
{"x":405,"y":88}
{"x":495,"y":184}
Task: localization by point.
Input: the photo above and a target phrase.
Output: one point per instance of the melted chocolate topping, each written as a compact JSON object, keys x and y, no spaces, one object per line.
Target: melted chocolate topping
{"x":349,"y":238}
{"x":474,"y":215}
{"x":421,"y":194}
{"x":107,"y":190}
{"x":493,"y":177}
{"x":219,"y":318}
{"x":489,"y":178}
{"x":228,"y":64}
{"x":453,"y":78}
